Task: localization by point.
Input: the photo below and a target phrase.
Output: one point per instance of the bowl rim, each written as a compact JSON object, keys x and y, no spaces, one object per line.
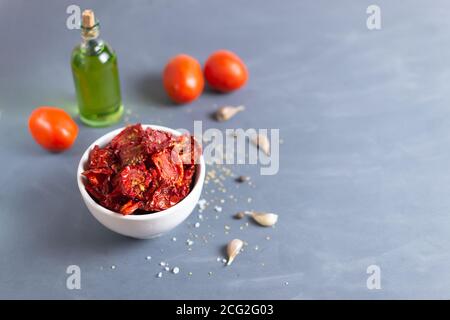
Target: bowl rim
{"x":151,"y":216}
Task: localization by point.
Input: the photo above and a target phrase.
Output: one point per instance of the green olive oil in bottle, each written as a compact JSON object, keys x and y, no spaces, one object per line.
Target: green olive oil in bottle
{"x":96,"y":77}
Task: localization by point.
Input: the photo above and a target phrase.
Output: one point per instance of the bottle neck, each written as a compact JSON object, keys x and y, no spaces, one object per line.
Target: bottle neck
{"x":90,"y":41}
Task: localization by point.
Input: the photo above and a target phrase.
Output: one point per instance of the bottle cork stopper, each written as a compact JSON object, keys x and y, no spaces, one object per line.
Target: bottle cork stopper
{"x":88,"y":19}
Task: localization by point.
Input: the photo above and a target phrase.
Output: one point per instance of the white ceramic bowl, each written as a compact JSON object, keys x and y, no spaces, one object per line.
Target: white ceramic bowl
{"x":148,"y":225}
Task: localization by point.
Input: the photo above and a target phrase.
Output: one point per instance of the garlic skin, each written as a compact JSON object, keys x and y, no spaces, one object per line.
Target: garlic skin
{"x":227,"y":112}
{"x":233,"y":249}
{"x":265,"y":219}
{"x":262,"y":142}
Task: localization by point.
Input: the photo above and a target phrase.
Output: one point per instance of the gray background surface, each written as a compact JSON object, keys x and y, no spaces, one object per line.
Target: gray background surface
{"x":364,"y":173}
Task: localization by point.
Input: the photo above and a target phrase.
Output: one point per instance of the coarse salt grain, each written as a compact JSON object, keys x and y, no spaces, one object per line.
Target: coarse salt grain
{"x":197,"y":224}
{"x":201,"y":204}
{"x":176,"y":270}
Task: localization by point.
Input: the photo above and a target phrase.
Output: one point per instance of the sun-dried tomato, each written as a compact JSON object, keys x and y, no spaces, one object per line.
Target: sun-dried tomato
{"x":164,"y":197}
{"x":155,"y":182}
{"x":95,"y":193}
{"x":134,"y":181}
{"x":114,"y":200}
{"x":130,"y":135}
{"x":169,"y":166}
{"x":98,"y":176}
{"x":155,"y":140}
{"x":189,"y":171}
{"x":188,"y":149}
{"x":139,"y":169}
{"x":101,"y":158}
{"x":132,"y":154}
{"x":130,"y":207}
{"x":99,"y":179}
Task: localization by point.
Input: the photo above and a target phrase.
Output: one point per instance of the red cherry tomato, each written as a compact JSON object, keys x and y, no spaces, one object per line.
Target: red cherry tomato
{"x":225,"y":71}
{"x":52,"y":128}
{"x":183,"y":78}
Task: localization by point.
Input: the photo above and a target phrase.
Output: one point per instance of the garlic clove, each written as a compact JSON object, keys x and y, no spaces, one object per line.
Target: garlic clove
{"x":265,"y":219}
{"x":227,"y":112}
{"x":233,"y":249}
{"x":262,"y":142}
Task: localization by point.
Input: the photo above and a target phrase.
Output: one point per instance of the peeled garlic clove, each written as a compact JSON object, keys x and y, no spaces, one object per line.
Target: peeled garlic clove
{"x":227,"y":112}
{"x":265,"y":219}
{"x":262,"y":142}
{"x":233,"y":249}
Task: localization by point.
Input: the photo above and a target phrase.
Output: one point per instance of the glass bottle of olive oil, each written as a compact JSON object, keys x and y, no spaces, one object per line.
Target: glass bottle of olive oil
{"x":96,"y":76}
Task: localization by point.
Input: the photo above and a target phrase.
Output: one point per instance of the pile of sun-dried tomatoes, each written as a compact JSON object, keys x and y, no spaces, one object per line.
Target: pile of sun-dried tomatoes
{"x":145,"y":170}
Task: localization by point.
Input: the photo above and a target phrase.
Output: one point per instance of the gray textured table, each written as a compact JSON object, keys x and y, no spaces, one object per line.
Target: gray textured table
{"x":364,"y":168}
